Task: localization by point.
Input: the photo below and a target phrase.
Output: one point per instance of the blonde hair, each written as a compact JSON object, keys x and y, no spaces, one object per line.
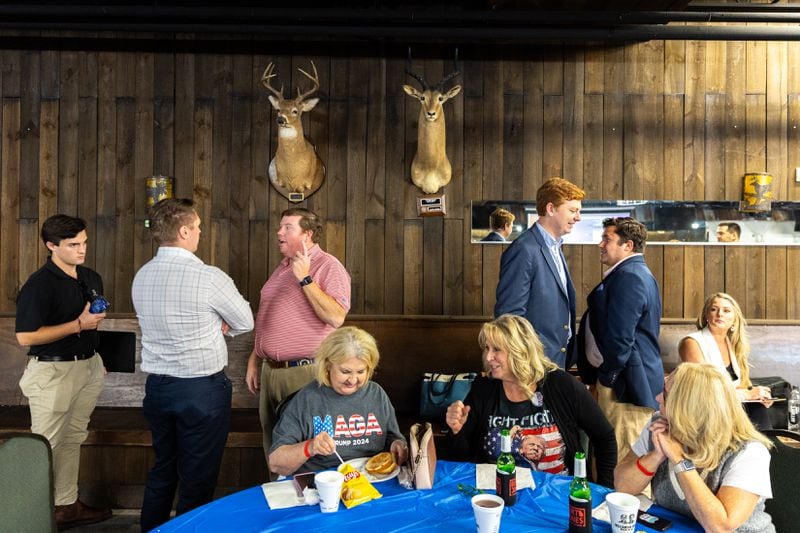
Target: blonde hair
{"x":500,"y":218}
{"x":515,"y":335}
{"x":706,"y":416}
{"x":343,"y":344}
{"x":737,"y":334}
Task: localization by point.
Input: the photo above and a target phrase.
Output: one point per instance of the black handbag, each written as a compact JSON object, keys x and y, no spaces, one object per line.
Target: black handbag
{"x":440,"y":390}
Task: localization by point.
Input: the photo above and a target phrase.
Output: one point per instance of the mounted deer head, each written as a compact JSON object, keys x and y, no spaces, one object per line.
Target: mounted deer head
{"x":430,"y":169}
{"x":296,"y":167}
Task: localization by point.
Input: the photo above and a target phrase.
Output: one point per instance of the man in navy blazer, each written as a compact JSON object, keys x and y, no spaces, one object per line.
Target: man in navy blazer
{"x":502,"y":223}
{"x":534,"y":279}
{"x":494,"y":236}
{"x":618,"y":340}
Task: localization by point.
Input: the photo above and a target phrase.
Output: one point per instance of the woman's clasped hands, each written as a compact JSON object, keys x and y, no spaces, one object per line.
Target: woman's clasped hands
{"x":663,"y":444}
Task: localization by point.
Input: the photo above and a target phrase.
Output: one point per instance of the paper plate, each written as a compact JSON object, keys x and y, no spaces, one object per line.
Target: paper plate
{"x":359,"y":464}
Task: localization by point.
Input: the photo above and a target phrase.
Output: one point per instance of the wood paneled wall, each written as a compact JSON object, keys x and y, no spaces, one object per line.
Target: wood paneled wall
{"x":655,"y":120}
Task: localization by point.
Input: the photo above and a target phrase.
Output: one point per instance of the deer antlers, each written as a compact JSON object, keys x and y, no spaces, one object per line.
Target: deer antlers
{"x":269,"y":73}
{"x":267,"y":76}
{"x":314,"y":78}
{"x":439,"y":86}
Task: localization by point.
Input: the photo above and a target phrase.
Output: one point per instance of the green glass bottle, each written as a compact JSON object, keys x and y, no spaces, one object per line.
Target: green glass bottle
{"x":580,"y":498}
{"x":506,"y":481}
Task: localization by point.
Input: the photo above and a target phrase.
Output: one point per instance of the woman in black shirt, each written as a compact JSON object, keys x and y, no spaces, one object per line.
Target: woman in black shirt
{"x":527,"y":393}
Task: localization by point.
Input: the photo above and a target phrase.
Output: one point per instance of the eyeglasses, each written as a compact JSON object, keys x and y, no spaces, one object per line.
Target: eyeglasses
{"x":667,"y":381}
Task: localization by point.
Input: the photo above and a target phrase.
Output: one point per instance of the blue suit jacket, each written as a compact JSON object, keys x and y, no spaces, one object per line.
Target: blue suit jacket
{"x":493,"y":237}
{"x":529,"y":286}
{"x":625,"y":318}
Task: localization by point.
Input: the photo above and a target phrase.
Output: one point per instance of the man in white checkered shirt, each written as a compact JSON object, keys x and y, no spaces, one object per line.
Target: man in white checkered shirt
{"x":184,"y":308}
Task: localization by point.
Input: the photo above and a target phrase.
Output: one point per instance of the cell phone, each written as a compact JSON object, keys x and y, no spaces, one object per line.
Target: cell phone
{"x":653,"y":521}
{"x":301,"y":481}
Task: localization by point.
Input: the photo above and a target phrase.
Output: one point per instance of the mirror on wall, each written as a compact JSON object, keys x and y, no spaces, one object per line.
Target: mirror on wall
{"x":668,"y":222}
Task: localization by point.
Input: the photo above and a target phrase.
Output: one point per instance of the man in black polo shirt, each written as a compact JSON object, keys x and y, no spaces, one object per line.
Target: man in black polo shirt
{"x":64,"y":375}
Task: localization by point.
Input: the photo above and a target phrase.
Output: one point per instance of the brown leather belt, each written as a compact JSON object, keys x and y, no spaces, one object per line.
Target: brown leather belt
{"x":288,"y":364}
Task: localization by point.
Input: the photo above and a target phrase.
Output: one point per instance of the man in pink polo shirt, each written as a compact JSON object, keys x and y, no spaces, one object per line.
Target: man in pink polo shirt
{"x":304,"y":300}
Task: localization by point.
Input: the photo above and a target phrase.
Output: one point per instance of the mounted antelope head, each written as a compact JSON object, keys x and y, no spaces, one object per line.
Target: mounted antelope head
{"x":296,"y":167}
{"x":430,"y":169}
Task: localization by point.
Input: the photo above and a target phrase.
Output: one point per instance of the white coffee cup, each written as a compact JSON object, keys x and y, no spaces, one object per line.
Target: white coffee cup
{"x":488,"y":509}
{"x":623,"y":509}
{"x":329,"y":488}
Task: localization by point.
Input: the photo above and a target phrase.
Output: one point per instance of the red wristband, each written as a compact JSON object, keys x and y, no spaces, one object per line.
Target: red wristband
{"x":305,"y":449}
{"x":643,"y":470}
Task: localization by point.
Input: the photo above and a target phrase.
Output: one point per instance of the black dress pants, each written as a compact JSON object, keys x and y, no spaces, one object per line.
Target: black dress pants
{"x":189,"y":420}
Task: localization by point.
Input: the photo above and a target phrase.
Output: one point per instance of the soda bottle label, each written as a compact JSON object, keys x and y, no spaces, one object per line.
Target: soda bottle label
{"x":580,"y":515}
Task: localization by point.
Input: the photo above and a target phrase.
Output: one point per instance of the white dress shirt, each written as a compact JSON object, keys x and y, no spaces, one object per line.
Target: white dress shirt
{"x":181,"y":304}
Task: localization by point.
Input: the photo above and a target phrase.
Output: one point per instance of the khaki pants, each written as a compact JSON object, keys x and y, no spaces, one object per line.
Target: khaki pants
{"x":628,"y":420}
{"x":277,"y":384}
{"x":62,"y":396}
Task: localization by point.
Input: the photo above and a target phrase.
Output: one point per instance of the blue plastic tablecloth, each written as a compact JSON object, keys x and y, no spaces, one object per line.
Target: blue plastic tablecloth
{"x":443,"y":508}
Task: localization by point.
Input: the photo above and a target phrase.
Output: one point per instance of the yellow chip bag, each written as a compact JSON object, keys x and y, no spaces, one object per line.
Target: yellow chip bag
{"x":356,"y":488}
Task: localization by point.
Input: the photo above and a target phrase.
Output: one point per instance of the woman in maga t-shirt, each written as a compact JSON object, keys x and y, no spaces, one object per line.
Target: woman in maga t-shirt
{"x":342,"y":411}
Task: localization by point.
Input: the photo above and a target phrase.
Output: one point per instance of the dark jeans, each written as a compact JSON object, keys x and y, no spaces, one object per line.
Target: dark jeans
{"x":189,"y":419}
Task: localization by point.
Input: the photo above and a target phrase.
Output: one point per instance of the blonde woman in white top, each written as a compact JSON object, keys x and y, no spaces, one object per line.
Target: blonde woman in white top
{"x":722,"y":340}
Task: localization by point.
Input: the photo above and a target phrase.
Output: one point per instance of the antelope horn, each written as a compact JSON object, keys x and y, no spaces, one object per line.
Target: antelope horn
{"x":452,"y":75}
{"x":414,"y":75}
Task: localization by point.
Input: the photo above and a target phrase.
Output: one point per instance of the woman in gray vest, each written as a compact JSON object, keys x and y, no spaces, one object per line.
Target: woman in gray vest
{"x":702,"y":454}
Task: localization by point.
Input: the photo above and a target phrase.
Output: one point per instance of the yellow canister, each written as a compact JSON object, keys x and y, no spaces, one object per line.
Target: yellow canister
{"x":157,"y":188}
{"x":757,"y":190}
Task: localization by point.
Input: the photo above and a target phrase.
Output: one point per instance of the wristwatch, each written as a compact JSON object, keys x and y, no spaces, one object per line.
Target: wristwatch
{"x":306,"y":281}
{"x":683,"y":466}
